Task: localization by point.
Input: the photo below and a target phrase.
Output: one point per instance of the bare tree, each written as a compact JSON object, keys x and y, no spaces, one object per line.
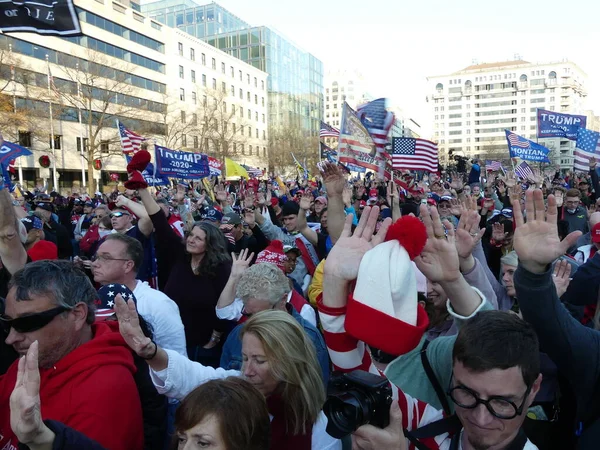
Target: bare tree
{"x":287,"y":140}
{"x":100,"y":92}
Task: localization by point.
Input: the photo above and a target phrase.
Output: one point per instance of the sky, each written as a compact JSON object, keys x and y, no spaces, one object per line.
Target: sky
{"x":396,"y":44}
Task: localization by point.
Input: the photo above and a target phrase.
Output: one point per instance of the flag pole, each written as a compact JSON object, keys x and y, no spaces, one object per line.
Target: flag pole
{"x":54,"y":176}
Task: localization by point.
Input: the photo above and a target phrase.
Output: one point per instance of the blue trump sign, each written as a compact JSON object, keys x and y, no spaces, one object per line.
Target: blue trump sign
{"x":552,"y":124}
{"x":181,"y":165}
{"x":148,"y":174}
{"x":519,"y":147}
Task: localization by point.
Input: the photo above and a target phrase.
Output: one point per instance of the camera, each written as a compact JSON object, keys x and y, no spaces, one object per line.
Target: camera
{"x":355,"y":399}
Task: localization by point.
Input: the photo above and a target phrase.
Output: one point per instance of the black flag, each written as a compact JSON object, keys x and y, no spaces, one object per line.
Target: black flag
{"x":50,"y":17}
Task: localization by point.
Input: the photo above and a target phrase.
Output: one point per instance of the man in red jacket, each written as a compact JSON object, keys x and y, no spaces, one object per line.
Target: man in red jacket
{"x":86,"y":369}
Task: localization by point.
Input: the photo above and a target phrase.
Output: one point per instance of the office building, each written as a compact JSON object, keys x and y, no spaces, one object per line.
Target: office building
{"x":126,"y":66}
{"x":295,"y":82}
{"x":472,"y":108}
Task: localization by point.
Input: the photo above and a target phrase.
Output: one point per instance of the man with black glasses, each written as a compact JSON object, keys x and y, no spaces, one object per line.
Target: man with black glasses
{"x":86,"y":370}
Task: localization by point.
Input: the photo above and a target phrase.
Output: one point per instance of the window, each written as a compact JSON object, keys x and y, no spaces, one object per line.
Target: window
{"x":224,"y":107}
{"x":192,"y":54}
{"x":241,"y":112}
{"x":182,"y":116}
{"x":242,"y":130}
{"x":264,"y":152}
{"x":194,"y":119}
{"x":194,"y":98}
{"x":264,"y":135}
{"x":242,"y":149}
{"x":195,"y":141}
{"x":249,"y":114}
{"x":255,"y":99}
{"x":214,"y":64}
{"x":262,"y":100}
{"x":193,"y":76}
{"x":241,"y":94}
{"x":232,"y":70}
{"x":222,"y":67}
{"x":249,"y":131}
{"x":203,"y":80}
{"x":257,"y":133}
{"x":262,"y":84}
{"x":182,"y":94}
{"x":263,"y":118}
{"x":57,"y":141}
{"x":248,"y":77}
{"x":203,"y":59}
{"x":214,"y":84}
{"x":181,"y":72}
{"x":248,"y":96}
{"x":204,"y":100}
{"x":180,"y":47}
{"x":86,"y":143}
{"x":234,"y":128}
{"x":183,"y":140}
{"x":104,"y":146}
{"x":256,"y":116}
{"x":232,"y":109}
{"x":232,"y":90}
{"x":223,"y":87}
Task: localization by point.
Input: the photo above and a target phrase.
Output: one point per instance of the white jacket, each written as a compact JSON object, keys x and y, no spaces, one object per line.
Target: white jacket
{"x":163,"y":314}
{"x":182,"y":376}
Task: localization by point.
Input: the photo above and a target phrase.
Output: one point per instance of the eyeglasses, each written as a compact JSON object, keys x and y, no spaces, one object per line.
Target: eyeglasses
{"x":118,"y":214}
{"x":31,"y":322}
{"x":103,"y":258}
{"x":498,"y":406}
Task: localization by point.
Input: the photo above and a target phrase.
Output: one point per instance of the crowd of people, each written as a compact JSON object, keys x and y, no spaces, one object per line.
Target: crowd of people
{"x":456,"y":310}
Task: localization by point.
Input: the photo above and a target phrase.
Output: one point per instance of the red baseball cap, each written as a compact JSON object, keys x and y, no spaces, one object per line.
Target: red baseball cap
{"x":373,"y":192}
{"x":595,"y":233}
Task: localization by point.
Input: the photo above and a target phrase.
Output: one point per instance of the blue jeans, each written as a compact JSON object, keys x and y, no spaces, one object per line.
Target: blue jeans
{"x":171,"y":408}
{"x":206,"y":356}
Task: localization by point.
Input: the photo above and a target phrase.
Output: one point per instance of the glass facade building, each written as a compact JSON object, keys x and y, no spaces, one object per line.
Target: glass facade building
{"x":295,"y":82}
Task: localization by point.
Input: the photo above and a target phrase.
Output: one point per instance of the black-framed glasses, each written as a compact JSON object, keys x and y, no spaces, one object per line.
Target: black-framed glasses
{"x":119,"y":214}
{"x":103,"y":258}
{"x":498,"y":406}
{"x":31,"y":322}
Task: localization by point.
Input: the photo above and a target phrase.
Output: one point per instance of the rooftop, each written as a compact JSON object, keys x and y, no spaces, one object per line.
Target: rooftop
{"x":494,"y":65}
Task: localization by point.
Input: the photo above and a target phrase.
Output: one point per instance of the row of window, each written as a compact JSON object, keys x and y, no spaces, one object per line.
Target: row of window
{"x":119,"y":30}
{"x":117,"y":52}
{"x":213,"y":65}
{"x":72,"y":62}
{"x":235,"y":147}
{"x":233,"y":106}
{"x":235,"y":129}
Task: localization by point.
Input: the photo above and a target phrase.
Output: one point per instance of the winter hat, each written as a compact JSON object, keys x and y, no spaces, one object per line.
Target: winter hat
{"x":43,"y":250}
{"x":105,"y":303}
{"x":510,"y":259}
{"x":290,"y":208}
{"x":32,"y":223}
{"x":383,"y":310}
{"x":273,"y":254}
{"x":138,"y":163}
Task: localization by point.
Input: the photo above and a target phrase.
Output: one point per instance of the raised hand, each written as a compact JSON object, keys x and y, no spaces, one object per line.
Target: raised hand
{"x":25,"y":406}
{"x":455,"y":207}
{"x":129,"y":326}
{"x":439,"y":259}
{"x":249,"y":218}
{"x":249,"y":199}
{"x":220,"y":193}
{"x":467,"y":233}
{"x":561,"y":277}
{"x":510,"y":180}
{"x":347,"y":196}
{"x":261,"y":199}
{"x":344,"y":259}
{"x":536,"y":242}
{"x":498,"y":233}
{"x":122,"y":201}
{"x":334,"y":179}
{"x":306,"y":201}
{"x":241,"y":262}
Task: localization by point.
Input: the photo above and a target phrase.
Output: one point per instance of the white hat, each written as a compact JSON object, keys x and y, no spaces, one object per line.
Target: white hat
{"x":383,"y":310}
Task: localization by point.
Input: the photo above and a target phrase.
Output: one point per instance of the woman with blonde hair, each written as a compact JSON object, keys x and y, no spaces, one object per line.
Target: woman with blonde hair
{"x":278,"y":359}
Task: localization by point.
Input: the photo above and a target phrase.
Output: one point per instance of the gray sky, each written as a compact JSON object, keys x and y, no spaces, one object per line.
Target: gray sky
{"x":396,"y":43}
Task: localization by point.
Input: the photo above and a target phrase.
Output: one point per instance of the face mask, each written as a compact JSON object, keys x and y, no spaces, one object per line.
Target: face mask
{"x":104,"y":233}
{"x":571,"y":211}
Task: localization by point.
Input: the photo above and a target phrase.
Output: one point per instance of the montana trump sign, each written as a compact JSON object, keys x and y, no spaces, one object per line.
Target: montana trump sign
{"x":552,"y":124}
{"x":519,"y":147}
{"x":181,"y":165}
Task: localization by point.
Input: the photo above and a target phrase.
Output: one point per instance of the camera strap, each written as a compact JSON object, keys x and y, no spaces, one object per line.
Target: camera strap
{"x":434,"y":381}
{"x":450,"y":425}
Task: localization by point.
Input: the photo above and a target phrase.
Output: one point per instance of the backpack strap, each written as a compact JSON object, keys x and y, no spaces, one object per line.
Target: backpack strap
{"x":441,"y":395}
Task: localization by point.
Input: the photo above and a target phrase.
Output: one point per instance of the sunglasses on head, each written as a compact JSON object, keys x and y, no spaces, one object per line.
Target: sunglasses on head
{"x":32,"y":322}
{"x":118,"y":214}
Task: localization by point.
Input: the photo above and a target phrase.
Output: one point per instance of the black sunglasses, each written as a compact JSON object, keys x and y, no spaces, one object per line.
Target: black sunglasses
{"x":118,"y":214}
{"x":32,"y":322}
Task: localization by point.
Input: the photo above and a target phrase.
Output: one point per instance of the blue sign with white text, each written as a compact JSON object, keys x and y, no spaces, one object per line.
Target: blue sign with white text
{"x":181,"y":165}
{"x":148,"y":174}
{"x":519,"y":147}
{"x":553,"y":124}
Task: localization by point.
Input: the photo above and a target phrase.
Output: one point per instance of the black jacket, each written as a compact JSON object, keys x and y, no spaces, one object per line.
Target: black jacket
{"x":67,"y":438}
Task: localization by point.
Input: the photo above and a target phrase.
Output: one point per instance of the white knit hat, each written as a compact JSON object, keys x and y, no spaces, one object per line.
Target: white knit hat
{"x":383,"y":310}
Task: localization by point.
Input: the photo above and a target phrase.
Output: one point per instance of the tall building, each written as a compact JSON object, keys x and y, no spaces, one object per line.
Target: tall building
{"x":471,"y":108}
{"x":129,"y":67}
{"x":343,"y":86}
{"x":295,"y":82}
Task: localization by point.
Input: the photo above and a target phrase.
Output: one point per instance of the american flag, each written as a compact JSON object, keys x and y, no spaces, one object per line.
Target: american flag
{"x":328,"y":153}
{"x":328,"y":131}
{"x":130,"y":142}
{"x":515,"y":140}
{"x":588,"y":145}
{"x":253,"y":171}
{"x":524,"y":171}
{"x":493,"y":166}
{"x":414,"y":154}
{"x":377,"y":120}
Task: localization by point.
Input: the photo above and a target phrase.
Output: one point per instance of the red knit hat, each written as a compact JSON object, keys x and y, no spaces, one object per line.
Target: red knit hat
{"x":383,"y":310}
{"x":273,"y":254}
{"x":43,"y":250}
{"x":138,"y":163}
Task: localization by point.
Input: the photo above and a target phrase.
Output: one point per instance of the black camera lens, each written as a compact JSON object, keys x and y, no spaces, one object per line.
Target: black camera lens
{"x":347,"y":412}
